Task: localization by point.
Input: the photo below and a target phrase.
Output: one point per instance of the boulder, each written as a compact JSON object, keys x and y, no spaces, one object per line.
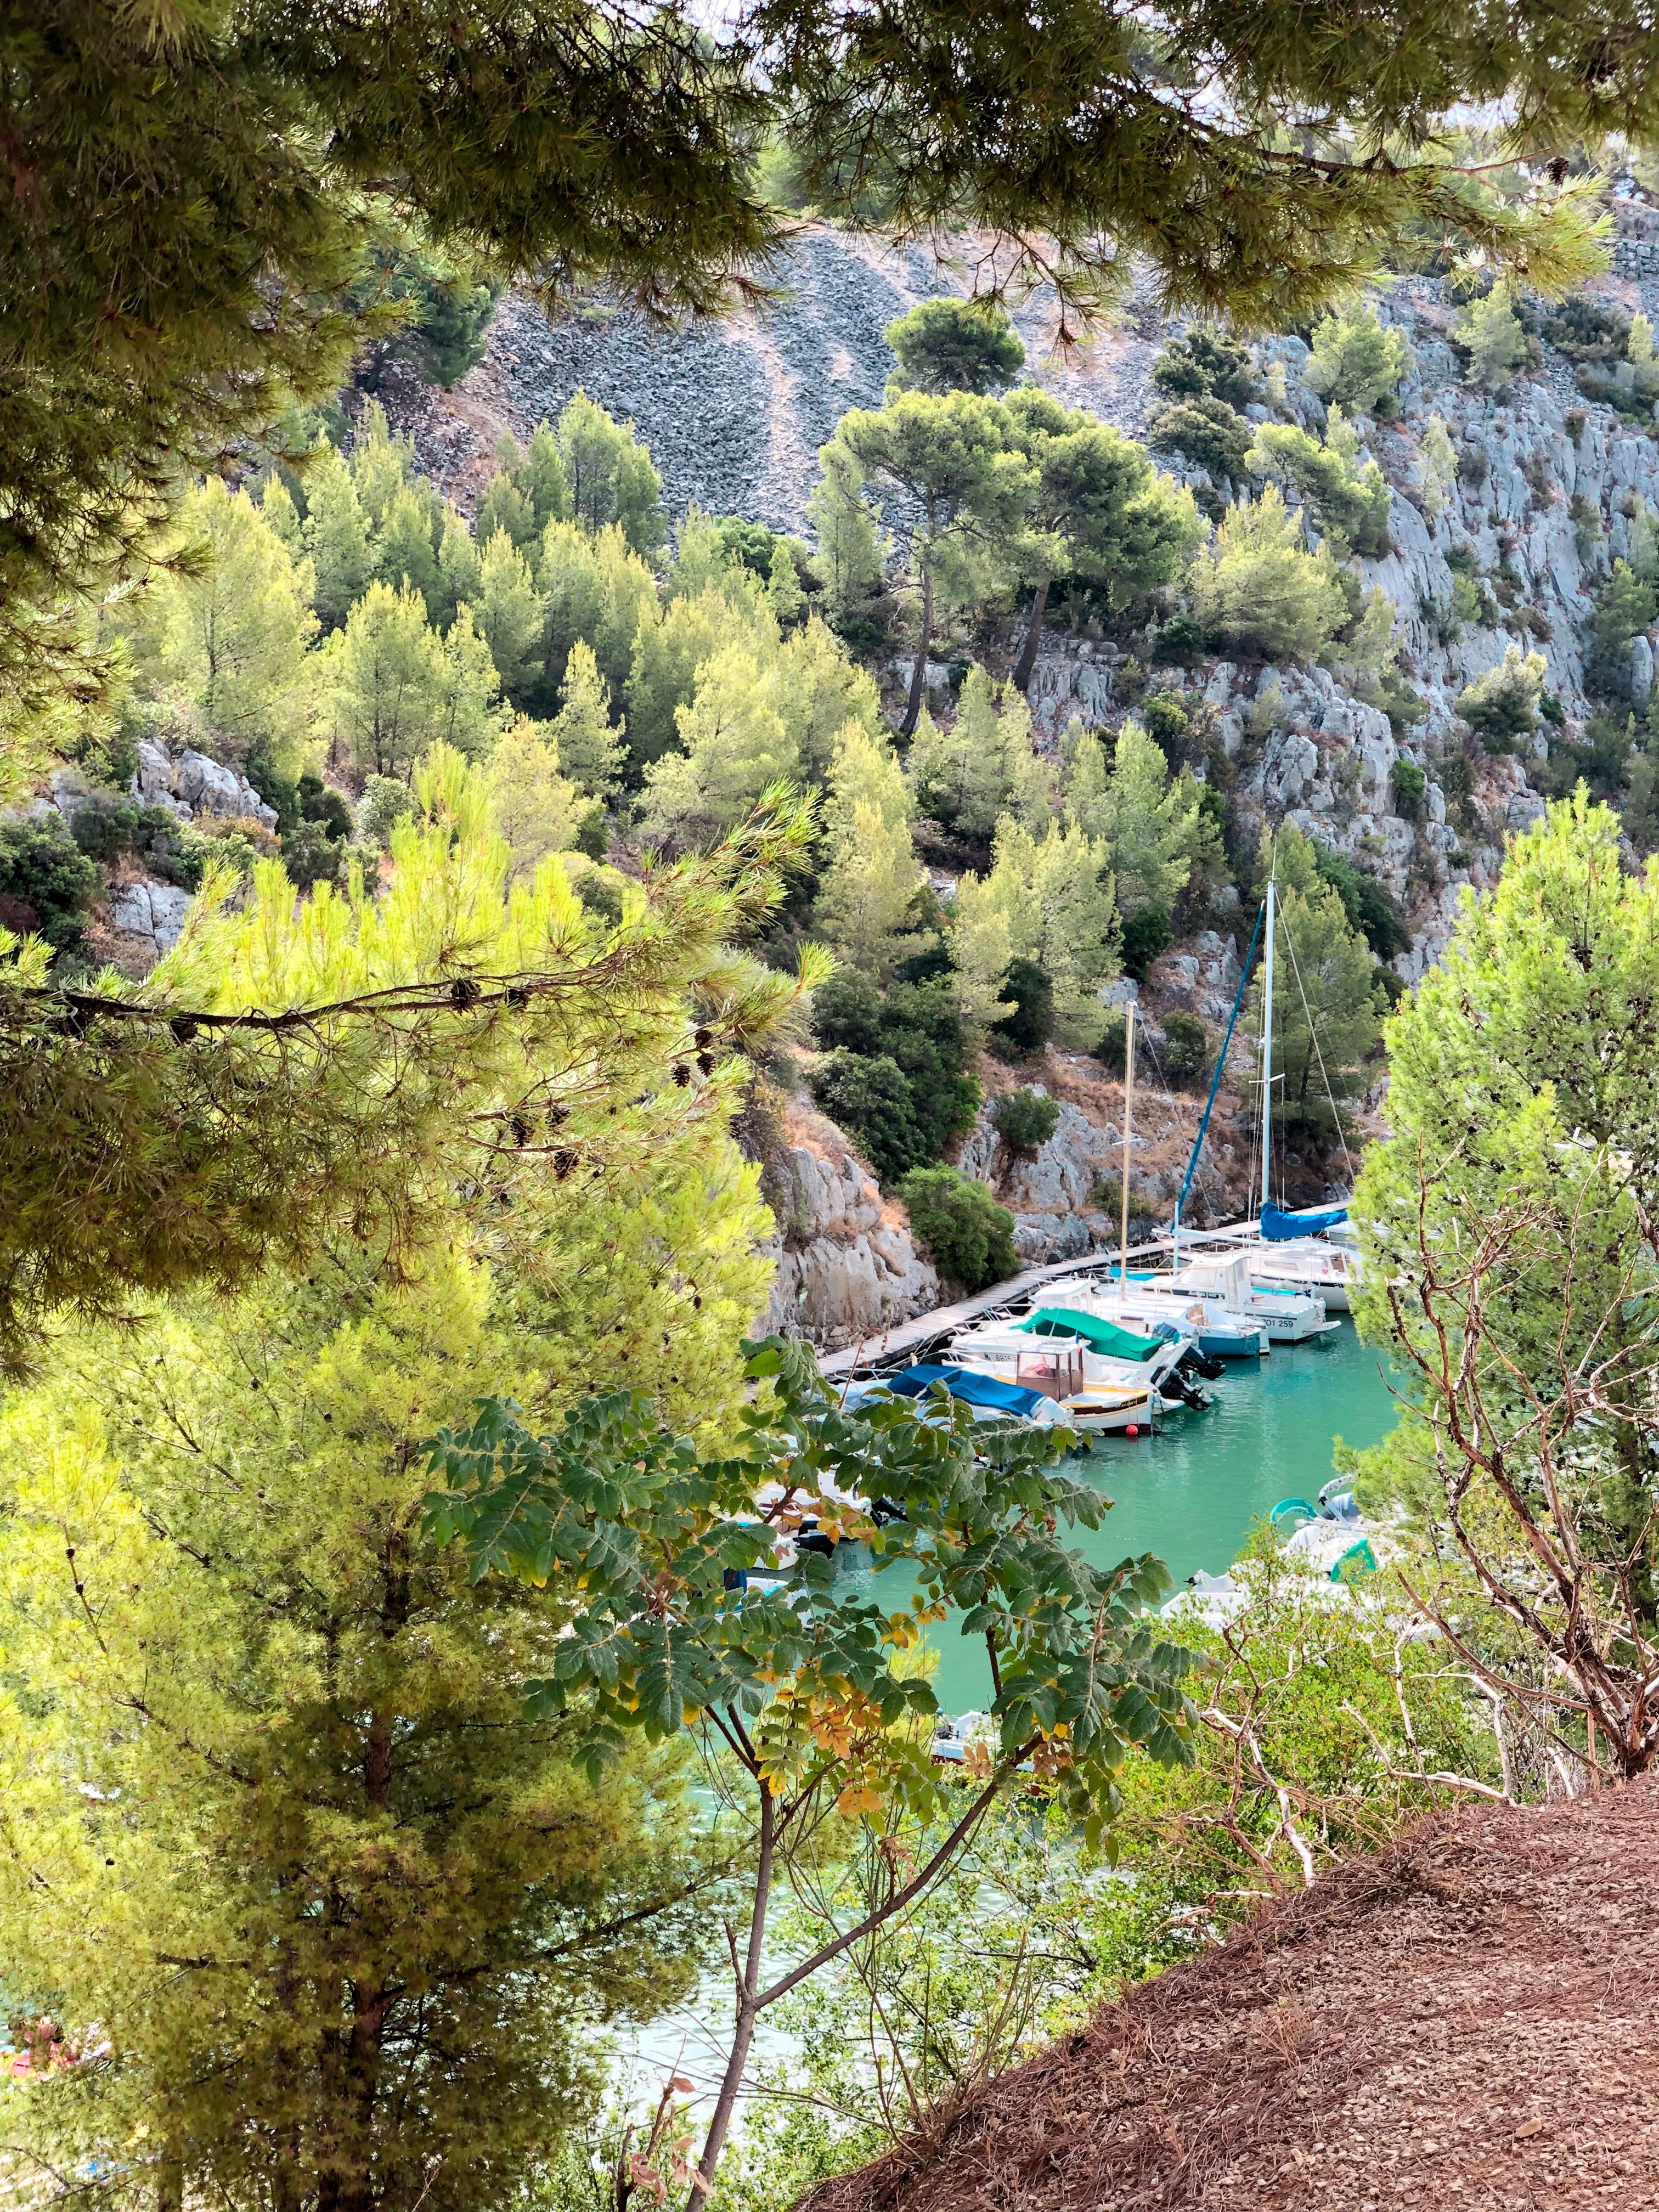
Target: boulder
{"x":154,"y":912}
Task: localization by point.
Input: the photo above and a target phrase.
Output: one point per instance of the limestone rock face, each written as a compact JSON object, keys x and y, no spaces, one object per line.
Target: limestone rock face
{"x":194,"y":785}
{"x":154,"y":912}
{"x":1049,"y":1192}
{"x":848,"y":1269}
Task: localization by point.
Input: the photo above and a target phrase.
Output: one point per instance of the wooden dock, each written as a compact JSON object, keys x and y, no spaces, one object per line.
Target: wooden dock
{"x":906,"y":1339}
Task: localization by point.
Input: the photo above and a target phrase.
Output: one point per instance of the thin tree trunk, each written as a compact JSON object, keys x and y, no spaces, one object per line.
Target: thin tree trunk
{"x":748,"y":2011}
{"x":919,"y":673}
{"x":1028,"y":652}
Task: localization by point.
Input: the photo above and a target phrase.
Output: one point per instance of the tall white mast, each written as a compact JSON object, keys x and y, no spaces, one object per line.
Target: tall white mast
{"x":1267,"y":1054}
{"x":1129,"y":1108}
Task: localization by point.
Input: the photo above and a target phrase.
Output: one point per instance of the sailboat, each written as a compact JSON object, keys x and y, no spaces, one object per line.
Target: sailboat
{"x":1296,"y":1278}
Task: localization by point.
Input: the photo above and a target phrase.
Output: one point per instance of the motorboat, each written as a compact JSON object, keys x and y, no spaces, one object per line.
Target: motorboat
{"x":1307,"y":1267}
{"x":1288,"y":1315}
{"x":1105,"y":1378}
{"x":992,"y":1399}
{"x":1222,"y":1330}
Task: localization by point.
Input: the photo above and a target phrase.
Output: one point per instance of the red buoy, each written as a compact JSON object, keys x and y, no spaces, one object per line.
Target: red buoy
{"x":1132,"y":1431}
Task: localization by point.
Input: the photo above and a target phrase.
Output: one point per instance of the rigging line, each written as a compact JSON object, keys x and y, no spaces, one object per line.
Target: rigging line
{"x":1220,"y":1067}
{"x":1330,"y":1095}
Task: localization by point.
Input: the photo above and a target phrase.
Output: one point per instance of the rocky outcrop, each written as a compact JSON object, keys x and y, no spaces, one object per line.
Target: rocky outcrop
{"x":192,"y":784}
{"x":847,"y":1266}
{"x":154,"y":912}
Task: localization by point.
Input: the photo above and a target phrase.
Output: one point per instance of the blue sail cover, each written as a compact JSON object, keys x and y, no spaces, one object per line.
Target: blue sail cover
{"x":1279,"y":1228}
{"x":973,"y":1389}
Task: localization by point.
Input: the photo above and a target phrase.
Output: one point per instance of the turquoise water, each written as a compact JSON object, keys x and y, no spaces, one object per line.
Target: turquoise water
{"x":1192,"y":1492}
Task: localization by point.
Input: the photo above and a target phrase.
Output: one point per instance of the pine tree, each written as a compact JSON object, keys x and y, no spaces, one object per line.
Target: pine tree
{"x":460,"y":573}
{"x":509,"y":612}
{"x":1328,"y":1016}
{"x":611,"y":477}
{"x":1257,"y":588}
{"x":869,"y":889}
{"x":983,"y":767}
{"x":592,"y":747}
{"x":405,"y":551}
{"x":597,"y":588}
{"x":946,"y":344}
{"x":1048,"y":900}
{"x":820,"y":688}
{"x":1437,"y":467}
{"x":783,"y":585}
{"x":276,"y":505}
{"x":471,"y":715}
{"x":1495,"y":342}
{"x":541,"y":477}
{"x":531,"y":805}
{"x":962,"y":488}
{"x":849,"y":540}
{"x":1150,"y":822}
{"x":381,"y":466}
{"x":235,"y":635}
{"x":389,"y":683}
{"x":735,"y":746}
{"x":506,"y":509}
{"x":1355,"y":362}
{"x":337,"y":536}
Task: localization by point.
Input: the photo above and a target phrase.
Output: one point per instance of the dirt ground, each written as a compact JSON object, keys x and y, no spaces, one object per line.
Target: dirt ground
{"x":1470,"y":2020}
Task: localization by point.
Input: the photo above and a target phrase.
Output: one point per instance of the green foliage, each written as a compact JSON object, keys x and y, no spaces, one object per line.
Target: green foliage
{"x":1206,"y":365}
{"x":337,"y":536}
{"x":1521,"y":1136}
{"x":395,"y":687}
{"x":896,"y":1075}
{"x":962,"y":491}
{"x":983,"y":767}
{"x":1625,"y":604}
{"x":1328,"y":1007}
{"x":239,"y":1509}
{"x":1186,"y":1045}
{"x":1493,"y":341}
{"x":47,"y":883}
{"x":1356,"y":364}
{"x":966,"y":1234}
{"x":871,"y":880}
{"x":1368,"y":903}
{"x":1208,"y":434}
{"x":1025,"y":1120}
{"x":447,"y":314}
{"x":1257,"y":589}
{"x":1146,"y":932}
{"x":592,"y":747}
{"x":1409,"y":783}
{"x":1152,"y":822}
{"x":1029,"y":1027}
{"x":946,"y":344}
{"x":1164,"y":718}
{"x":1502,"y":705}
{"x":1351,"y":504}
{"x":1048,"y":899}
{"x":850,"y":547}
{"x":611,"y":477}
{"x":300,"y":1133}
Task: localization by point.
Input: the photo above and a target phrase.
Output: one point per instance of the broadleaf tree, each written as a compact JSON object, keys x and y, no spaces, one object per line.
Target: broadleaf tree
{"x":800,"y":1687}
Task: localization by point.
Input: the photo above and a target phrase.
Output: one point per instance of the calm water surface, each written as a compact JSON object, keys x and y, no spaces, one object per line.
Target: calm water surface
{"x":1191,"y":1492}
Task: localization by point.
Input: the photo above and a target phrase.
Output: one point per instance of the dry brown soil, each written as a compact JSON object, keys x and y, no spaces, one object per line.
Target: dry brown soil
{"x":1471,"y":2020}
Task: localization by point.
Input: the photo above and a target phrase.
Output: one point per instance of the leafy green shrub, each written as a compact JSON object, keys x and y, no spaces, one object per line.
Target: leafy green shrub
{"x":1181,"y":640}
{"x":968,"y":1236}
{"x":1351,"y":503}
{"x":1025,"y":1120}
{"x":1258,"y":590}
{"x":105,"y":826}
{"x":1366,"y":902}
{"x":1502,"y":705}
{"x":1472,"y":466}
{"x":1205,"y":432}
{"x":1410,"y":787}
{"x":896,"y":1077}
{"x":386,"y":799}
{"x":1023,"y":1034}
{"x":1146,"y":932}
{"x":312,"y":856}
{"x":47,"y":883}
{"x":449,"y":316}
{"x":867,"y":1096}
{"x":1112,"y":1052}
{"x":1186,"y":1045}
{"x":1204,"y":365}
{"x":1166,"y":720}
{"x":1356,"y":363}
{"x":319,"y":803}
